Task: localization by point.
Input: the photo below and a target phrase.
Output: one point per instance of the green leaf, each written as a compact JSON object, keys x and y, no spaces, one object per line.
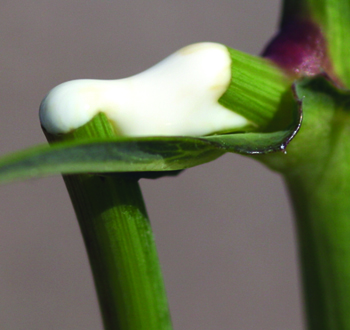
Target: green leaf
{"x":139,"y":154}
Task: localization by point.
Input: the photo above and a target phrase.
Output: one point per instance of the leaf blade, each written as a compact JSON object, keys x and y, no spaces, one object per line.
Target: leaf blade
{"x":145,"y":154}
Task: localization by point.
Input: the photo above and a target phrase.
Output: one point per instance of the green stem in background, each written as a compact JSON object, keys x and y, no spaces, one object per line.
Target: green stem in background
{"x":315,"y":38}
{"x":321,"y":201}
{"x":323,"y":225}
{"x":120,"y":244}
{"x":316,"y":170}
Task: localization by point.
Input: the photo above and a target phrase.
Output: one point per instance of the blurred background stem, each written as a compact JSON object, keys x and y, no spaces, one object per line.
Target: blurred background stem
{"x":322,"y":214}
{"x":316,"y":167}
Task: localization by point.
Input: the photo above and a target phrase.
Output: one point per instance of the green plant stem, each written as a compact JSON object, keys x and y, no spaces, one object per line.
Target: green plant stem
{"x":323,"y":226}
{"x":320,"y":190}
{"x":122,"y":252}
{"x":318,"y":178}
{"x":119,"y":241}
{"x":316,"y":169}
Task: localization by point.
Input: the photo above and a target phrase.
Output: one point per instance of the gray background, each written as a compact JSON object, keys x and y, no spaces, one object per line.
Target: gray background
{"x":224,"y":230}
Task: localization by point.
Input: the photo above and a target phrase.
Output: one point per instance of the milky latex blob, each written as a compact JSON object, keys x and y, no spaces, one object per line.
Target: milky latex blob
{"x":178,"y":96}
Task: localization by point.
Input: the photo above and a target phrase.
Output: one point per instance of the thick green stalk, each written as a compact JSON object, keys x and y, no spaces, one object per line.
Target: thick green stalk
{"x":120,"y":244}
{"x":319,"y":184}
{"x":316,"y":167}
{"x":323,"y":224}
{"x":316,"y":170}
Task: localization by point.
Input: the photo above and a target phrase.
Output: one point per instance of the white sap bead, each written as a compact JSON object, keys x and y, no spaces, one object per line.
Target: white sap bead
{"x":178,"y":96}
